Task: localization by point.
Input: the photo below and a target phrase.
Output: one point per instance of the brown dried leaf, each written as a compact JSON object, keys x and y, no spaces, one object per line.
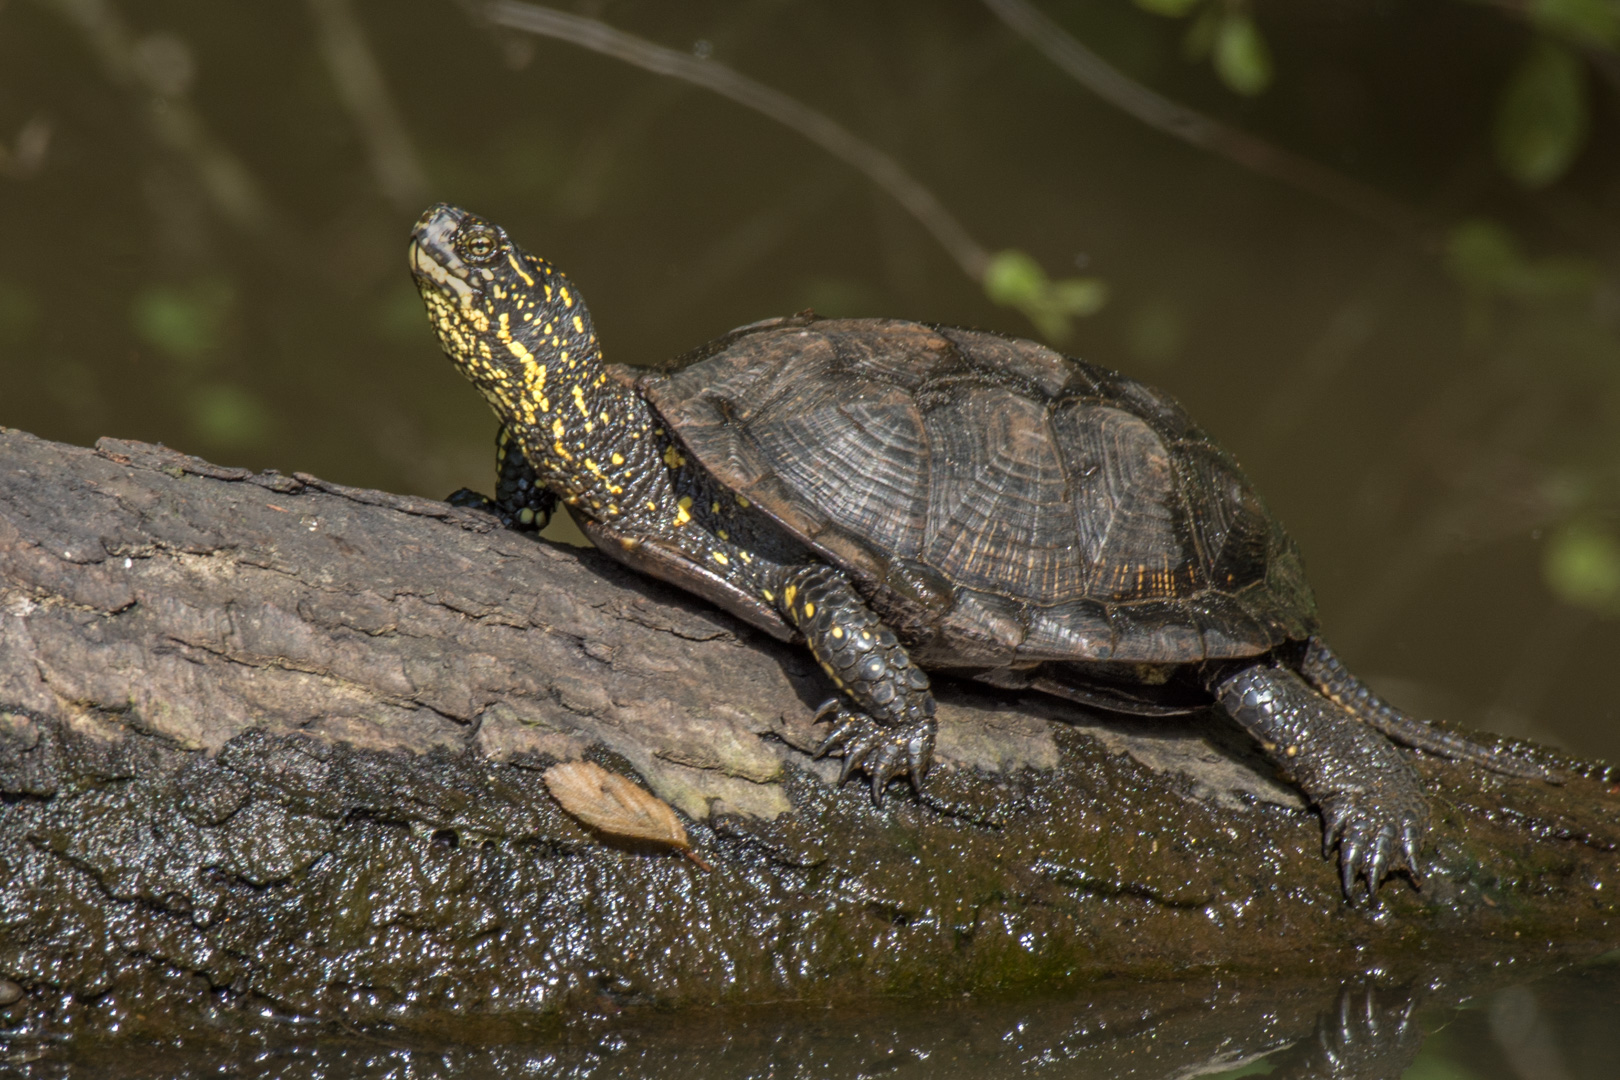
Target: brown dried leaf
{"x":615,"y":805}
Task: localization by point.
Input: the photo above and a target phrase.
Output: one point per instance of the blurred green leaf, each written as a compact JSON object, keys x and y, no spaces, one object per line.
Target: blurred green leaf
{"x":1595,"y":22}
{"x":1014,"y":279}
{"x":1542,"y":118}
{"x":1201,"y":35}
{"x":186,"y":322}
{"x":1486,"y":259}
{"x":1481,"y":255}
{"x":1582,"y":567}
{"x":19,"y":313}
{"x":228,"y":415}
{"x":1241,"y":58}
{"x":1174,"y":8}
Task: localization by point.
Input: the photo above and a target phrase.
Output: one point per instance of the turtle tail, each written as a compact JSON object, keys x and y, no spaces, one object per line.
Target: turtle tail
{"x":1327,"y":673}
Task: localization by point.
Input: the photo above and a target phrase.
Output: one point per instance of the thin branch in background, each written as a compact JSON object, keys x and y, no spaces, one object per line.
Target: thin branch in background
{"x":879,"y":167}
{"x":363,"y":92}
{"x":639,"y":112}
{"x":173,"y":120}
{"x":1196,"y":129}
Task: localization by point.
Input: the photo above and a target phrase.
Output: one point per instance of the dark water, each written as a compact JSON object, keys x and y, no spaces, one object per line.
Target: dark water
{"x":1484,"y":1024}
{"x":205,"y":207}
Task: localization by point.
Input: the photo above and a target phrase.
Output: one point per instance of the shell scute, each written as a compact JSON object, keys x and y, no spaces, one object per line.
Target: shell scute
{"x":1133,"y":529}
{"x":905,"y":354}
{"x":998,"y":503}
{"x":1154,"y":631}
{"x":1079,"y":628}
{"x":859,"y":453}
{"x":999,"y":516}
{"x":1002,"y":359}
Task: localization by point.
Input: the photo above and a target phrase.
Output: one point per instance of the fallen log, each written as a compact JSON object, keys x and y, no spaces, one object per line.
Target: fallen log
{"x":275,"y":746}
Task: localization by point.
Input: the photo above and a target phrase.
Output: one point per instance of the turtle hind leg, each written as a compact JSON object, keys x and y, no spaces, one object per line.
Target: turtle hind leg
{"x":1370,"y":797}
{"x":1327,"y":673}
{"x":521,"y":501}
{"x":883,"y":720}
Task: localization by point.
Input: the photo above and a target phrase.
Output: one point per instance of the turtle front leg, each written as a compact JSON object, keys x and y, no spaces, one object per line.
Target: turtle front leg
{"x":1370,"y":797}
{"x":890,"y":730}
{"x":521,"y":501}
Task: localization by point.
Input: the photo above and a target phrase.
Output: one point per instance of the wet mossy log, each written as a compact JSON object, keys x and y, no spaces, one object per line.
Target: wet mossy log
{"x":269,"y":740}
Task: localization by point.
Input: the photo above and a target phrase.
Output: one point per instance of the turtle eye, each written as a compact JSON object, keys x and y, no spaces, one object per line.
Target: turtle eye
{"x":478,"y":244}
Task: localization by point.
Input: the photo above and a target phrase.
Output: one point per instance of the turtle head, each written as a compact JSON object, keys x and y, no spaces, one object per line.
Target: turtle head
{"x":511,"y":322}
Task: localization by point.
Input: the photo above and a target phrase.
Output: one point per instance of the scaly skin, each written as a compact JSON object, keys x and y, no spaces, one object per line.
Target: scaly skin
{"x":1371,"y":799}
{"x":522,"y":501}
{"x":518,"y":329}
{"x":1323,"y":669}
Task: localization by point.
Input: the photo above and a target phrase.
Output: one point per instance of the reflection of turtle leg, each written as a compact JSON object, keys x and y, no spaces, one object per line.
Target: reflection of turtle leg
{"x":1370,"y":797}
{"x":1369,"y":1032}
{"x":521,"y":501}
{"x":1323,"y":670}
{"x":890,"y":730}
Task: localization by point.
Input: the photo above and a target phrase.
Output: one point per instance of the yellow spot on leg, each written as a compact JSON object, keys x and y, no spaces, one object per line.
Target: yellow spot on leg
{"x":720,"y":557}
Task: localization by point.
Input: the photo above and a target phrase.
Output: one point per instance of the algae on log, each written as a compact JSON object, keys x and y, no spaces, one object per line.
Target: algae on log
{"x":270,"y":742}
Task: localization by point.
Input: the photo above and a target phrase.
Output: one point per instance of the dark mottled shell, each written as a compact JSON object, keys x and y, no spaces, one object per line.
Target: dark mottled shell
{"x":999,"y":503}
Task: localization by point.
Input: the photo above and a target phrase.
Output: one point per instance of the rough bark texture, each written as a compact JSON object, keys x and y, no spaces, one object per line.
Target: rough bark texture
{"x":272,"y":745}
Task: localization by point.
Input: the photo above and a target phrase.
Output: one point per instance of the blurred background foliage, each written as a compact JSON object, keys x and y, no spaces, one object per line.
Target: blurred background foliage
{"x":1373,"y":246}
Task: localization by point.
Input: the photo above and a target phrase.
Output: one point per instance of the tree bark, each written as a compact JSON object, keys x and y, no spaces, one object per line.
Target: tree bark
{"x":270,"y":743}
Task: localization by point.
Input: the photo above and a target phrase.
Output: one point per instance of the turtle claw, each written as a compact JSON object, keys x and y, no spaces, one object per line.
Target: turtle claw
{"x":1349,"y":865}
{"x":1410,"y":837}
{"x":1379,"y":862}
{"x":1374,"y":840}
{"x":855,"y":755}
{"x":838,"y":738}
{"x":919,"y":756}
{"x":888,"y":764}
{"x":882,"y":752}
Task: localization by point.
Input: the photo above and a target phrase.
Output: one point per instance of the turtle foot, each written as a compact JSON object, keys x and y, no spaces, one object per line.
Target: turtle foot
{"x":1377,"y":833}
{"x":882,"y":752}
{"x":529,"y":517}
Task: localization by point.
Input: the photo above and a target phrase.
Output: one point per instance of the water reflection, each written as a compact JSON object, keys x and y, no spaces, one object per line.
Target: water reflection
{"x":1480,"y":1025}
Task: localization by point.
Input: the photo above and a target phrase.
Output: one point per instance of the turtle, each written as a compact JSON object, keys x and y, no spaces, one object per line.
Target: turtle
{"x":905,"y":498}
